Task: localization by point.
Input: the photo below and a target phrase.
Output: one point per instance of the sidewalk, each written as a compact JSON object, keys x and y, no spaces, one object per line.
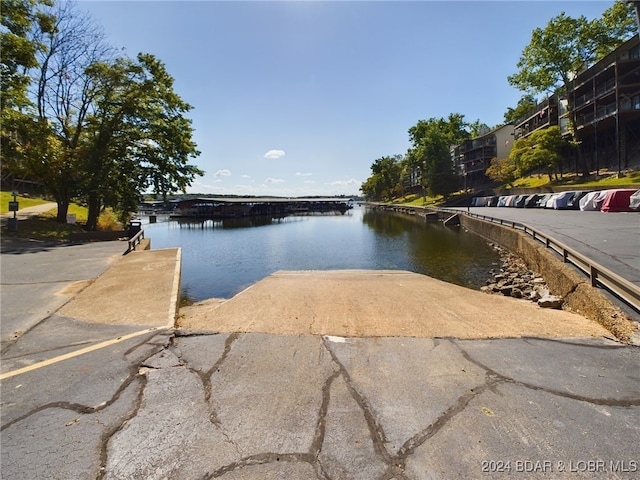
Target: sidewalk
{"x":28,"y":212}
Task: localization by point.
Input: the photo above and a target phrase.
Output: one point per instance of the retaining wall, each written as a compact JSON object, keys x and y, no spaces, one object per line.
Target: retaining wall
{"x":562,"y":279}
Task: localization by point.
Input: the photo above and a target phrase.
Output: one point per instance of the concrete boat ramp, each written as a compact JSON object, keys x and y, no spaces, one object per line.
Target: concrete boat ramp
{"x":361,"y":303}
{"x":316,"y":375}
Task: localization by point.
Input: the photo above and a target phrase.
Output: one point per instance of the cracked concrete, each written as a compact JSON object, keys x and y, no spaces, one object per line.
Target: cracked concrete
{"x":381,"y":408}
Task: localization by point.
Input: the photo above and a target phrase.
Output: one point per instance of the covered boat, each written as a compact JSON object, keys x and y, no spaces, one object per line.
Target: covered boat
{"x":634,"y":201}
{"x":598,"y":200}
{"x":574,"y":202}
{"x":586,"y":202}
{"x":618,"y":200}
{"x":531,"y":200}
{"x":561,"y":200}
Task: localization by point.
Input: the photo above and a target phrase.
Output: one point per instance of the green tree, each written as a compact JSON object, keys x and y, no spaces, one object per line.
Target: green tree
{"x":502,"y":170}
{"x":385,"y":181}
{"x":64,"y":95}
{"x":557,"y":53}
{"x":138,"y":139}
{"x":20,"y":18}
{"x":96,"y":129}
{"x":430,"y":153}
{"x":540,"y":150}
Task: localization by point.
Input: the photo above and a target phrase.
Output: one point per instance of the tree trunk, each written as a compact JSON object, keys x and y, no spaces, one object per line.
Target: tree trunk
{"x":93,"y":213}
{"x":63,"y":209}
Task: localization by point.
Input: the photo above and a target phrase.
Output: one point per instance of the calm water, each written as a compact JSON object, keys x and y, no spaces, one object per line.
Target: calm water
{"x":219,"y":259}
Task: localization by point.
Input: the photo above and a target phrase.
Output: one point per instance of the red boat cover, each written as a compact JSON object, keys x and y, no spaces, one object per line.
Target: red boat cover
{"x":617,"y":201}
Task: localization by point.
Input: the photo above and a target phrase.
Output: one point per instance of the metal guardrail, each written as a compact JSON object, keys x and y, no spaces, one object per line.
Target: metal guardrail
{"x":135,"y":241}
{"x":598,"y":275}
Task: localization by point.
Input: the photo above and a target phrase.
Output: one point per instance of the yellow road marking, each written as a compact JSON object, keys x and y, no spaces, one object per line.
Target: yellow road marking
{"x":69,"y":355}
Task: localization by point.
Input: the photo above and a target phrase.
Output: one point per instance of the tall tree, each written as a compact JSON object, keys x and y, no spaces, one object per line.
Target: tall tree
{"x":64,"y":94}
{"x":385,"y":181}
{"x":430,"y":153}
{"x":20,"y":18}
{"x":138,"y":139}
{"x":566,"y":46}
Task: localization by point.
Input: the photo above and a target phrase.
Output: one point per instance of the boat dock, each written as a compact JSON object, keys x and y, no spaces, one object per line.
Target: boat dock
{"x":233,"y":207}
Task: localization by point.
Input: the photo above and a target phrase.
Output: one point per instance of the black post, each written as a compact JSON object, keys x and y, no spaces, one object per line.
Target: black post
{"x":595,"y":124}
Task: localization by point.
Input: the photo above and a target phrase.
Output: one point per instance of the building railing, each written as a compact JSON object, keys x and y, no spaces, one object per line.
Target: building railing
{"x":598,"y":275}
{"x":606,"y":87}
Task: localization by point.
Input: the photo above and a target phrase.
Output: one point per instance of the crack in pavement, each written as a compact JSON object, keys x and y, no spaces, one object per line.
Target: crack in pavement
{"x":500,"y":378}
{"x":393,"y":465}
{"x":86,"y":409}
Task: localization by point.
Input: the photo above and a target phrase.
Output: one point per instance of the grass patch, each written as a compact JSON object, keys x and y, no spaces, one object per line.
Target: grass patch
{"x":607,"y":179}
{"x":24,"y":202}
{"x":79,"y":211}
{"x":42,"y":228}
{"x":417,"y":200}
{"x":531,"y":182}
{"x":45,"y":227}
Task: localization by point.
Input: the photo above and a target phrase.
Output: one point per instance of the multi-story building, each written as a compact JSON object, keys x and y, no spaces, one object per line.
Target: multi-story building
{"x":606,"y":101}
{"x":606,"y":105}
{"x":472,"y":157}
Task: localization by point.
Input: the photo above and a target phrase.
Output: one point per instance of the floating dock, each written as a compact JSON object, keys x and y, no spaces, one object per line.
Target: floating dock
{"x":234,"y":207}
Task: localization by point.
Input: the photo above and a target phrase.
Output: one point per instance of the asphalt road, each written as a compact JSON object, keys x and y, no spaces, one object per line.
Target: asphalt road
{"x":610,"y":239}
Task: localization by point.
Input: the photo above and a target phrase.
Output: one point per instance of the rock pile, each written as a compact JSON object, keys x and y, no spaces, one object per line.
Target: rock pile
{"x":515,"y":279}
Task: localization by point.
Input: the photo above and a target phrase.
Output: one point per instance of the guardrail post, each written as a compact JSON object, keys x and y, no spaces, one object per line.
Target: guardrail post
{"x":593,"y":275}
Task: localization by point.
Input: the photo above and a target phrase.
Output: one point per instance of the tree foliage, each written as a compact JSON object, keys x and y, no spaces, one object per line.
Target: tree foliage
{"x":385,"y":180}
{"x":138,"y":138}
{"x":100,"y":129}
{"x":430,"y":153}
{"x":502,"y":170}
{"x":565,"y":47}
{"x":539,"y":151}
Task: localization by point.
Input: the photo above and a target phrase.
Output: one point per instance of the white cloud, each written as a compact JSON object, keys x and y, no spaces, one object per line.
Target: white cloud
{"x":222,"y":173}
{"x":245,"y":176}
{"x":274,"y":180}
{"x":352,"y":181}
{"x":303,"y":174}
{"x":274,"y":154}
{"x":309,"y":181}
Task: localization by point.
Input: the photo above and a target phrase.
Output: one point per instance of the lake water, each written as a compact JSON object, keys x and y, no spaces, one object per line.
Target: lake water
{"x":221,"y":258}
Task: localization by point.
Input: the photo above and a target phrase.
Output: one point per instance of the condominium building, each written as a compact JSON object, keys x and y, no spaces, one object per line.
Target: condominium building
{"x":606,"y":103}
{"x":472,"y":157}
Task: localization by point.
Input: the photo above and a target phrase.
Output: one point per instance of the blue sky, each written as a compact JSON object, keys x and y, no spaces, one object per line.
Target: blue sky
{"x":299,"y":98}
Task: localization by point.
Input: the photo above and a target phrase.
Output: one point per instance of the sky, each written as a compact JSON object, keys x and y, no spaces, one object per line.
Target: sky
{"x":300,"y":98}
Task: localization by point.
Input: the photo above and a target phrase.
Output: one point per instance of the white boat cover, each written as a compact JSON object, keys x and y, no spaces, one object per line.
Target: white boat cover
{"x":586,"y":202}
{"x":634,"y":201}
{"x":550,"y":200}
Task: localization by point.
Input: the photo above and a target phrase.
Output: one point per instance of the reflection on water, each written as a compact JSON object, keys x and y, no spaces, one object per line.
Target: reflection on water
{"x":220,"y":258}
